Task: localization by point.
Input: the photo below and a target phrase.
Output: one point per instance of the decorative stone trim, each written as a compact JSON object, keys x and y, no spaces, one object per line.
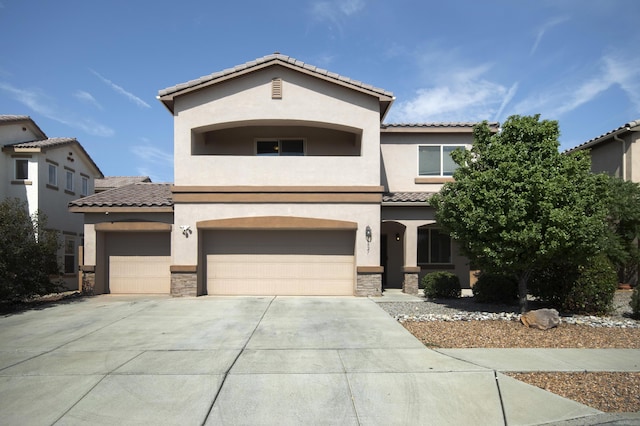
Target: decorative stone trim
{"x":184,"y":284}
{"x":88,"y":281}
{"x":410,"y":283}
{"x":369,"y":281}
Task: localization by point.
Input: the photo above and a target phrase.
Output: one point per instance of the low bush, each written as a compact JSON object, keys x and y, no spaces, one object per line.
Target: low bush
{"x":441,"y":284}
{"x":635,"y":303}
{"x":585,"y":289}
{"x":495,"y":288}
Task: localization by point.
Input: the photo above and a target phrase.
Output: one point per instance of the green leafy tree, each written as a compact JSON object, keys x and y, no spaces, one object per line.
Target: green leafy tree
{"x":624,"y":223}
{"x":517,"y":204}
{"x":28,"y":253}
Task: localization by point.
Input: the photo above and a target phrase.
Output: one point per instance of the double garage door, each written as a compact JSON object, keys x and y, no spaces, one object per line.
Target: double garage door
{"x":276,"y":262}
{"x":139,"y":262}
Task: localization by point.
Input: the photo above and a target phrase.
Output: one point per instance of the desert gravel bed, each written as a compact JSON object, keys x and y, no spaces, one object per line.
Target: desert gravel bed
{"x":463,"y":323}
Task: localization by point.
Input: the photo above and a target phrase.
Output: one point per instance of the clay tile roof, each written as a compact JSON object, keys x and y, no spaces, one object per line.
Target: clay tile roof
{"x":45,"y":143}
{"x":435,"y":125}
{"x":13,"y":118}
{"x":597,"y":139}
{"x":260,"y":62}
{"x":110,"y":182}
{"x":406,"y":197}
{"x":134,"y":195}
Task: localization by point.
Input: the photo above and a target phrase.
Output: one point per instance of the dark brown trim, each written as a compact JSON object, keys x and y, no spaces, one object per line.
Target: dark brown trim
{"x":342,"y":198}
{"x":132,"y":227}
{"x":370,"y":269}
{"x":51,"y":162}
{"x":55,"y":188}
{"x":21,"y":182}
{"x":284,"y":223}
{"x":66,"y":191}
{"x":21,"y":156}
{"x":176,"y":269}
{"x":437,"y":267}
{"x":420,"y":180}
{"x":88,"y":268}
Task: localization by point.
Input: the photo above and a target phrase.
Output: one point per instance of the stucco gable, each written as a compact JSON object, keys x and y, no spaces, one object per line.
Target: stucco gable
{"x":167,"y":96}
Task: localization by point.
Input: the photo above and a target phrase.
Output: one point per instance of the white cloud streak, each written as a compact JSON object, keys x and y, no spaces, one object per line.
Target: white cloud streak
{"x":41,"y":104}
{"x":87,"y":97}
{"x":543,"y":30}
{"x":136,"y":100}
{"x":153,"y":158}
{"x":622,"y":71}
{"x":336,"y":11}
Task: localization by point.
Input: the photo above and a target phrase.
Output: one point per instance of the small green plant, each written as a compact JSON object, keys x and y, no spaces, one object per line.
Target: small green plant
{"x":635,"y":303}
{"x":498,"y":288}
{"x":441,"y":284}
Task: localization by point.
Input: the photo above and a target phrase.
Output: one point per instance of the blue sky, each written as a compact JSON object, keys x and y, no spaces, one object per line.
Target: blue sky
{"x":92,"y":69}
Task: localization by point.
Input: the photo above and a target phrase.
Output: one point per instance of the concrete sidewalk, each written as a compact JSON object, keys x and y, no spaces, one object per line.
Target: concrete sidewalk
{"x":250,"y":360}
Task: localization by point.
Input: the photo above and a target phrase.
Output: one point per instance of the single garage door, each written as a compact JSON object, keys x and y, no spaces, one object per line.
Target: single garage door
{"x":280,"y":262}
{"x":139,"y":262}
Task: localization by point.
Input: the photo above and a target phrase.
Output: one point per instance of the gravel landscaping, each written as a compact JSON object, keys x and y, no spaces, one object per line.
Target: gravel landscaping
{"x":463,"y":323}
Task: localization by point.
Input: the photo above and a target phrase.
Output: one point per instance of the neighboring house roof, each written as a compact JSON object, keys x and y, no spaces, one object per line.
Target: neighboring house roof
{"x":406,"y":198}
{"x":166,"y":96}
{"x":46,"y":144}
{"x":12,"y":119}
{"x":630,"y":126}
{"x":156,"y":196}
{"x":110,"y":182}
{"x":427,"y":127}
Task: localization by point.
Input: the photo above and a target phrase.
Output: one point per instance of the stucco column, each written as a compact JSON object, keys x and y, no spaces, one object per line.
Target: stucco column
{"x":411,"y":245}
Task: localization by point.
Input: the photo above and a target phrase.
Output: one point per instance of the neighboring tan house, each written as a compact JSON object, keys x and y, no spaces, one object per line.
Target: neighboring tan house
{"x":111,"y":182}
{"x":616,"y":152}
{"x":286,"y":183}
{"x":47,"y":173}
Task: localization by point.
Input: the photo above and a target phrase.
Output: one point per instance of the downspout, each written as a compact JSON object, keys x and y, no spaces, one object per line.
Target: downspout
{"x":624,"y":156}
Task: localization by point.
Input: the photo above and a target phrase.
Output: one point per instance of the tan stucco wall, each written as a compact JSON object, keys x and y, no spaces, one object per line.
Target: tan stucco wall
{"x":400,"y":158}
{"x":305,"y":99}
{"x":185,"y":250}
{"x":608,"y":158}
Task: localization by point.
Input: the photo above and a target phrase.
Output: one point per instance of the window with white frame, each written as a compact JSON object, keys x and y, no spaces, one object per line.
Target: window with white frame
{"x":22,"y":169}
{"x":280,"y":147}
{"x":53,"y":175}
{"x":69,"y":180}
{"x":434,"y":246}
{"x":435,"y":160}
{"x":84,"y":190}
{"x":69,"y":255}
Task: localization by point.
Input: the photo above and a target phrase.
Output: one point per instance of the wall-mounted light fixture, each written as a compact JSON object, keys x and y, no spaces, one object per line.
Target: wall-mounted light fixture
{"x":368,"y":236}
{"x":186,"y":230}
{"x":397,"y":236}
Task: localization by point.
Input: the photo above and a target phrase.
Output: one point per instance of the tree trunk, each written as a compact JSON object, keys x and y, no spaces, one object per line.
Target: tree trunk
{"x":523,"y":280}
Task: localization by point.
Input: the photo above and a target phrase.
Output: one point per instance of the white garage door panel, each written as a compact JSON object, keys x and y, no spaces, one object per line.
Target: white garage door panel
{"x":139,"y":274}
{"x":280,"y":263}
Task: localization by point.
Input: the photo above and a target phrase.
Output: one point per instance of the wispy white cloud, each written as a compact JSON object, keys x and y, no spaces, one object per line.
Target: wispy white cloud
{"x":507,"y":99}
{"x":121,"y":91}
{"x":42,"y":104}
{"x":87,"y":97}
{"x":455,"y":92}
{"x":543,"y":30}
{"x":336,"y":11}
{"x":153,"y":162}
{"x":615,"y":70}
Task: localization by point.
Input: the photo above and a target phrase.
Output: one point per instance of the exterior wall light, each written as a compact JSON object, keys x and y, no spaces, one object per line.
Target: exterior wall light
{"x":367,"y":233}
{"x":397,"y":237}
{"x":186,"y":230}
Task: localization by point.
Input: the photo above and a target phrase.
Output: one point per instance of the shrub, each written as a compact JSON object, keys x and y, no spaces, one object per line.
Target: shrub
{"x":495,"y":288}
{"x":441,"y":284}
{"x":635,"y":303}
{"x":587,"y":289}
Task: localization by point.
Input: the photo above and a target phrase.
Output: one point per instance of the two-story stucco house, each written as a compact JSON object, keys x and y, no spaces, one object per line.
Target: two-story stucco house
{"x":616,"y":152}
{"x":47,"y":173}
{"x":286,"y":183}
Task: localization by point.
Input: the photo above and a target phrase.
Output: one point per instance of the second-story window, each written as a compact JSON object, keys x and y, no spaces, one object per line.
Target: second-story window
{"x":22,"y":169}
{"x":53,"y":175}
{"x":435,"y":160}
{"x":280,"y":147}
{"x":69,"y":181}
{"x":85,"y":186}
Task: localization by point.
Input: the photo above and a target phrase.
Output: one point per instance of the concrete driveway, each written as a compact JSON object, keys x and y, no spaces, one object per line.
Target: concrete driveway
{"x":245,"y":361}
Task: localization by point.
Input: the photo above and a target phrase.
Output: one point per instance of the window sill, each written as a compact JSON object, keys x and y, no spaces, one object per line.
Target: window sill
{"x":435,"y":179}
{"x":21,"y":182}
{"x":55,"y":188}
{"x":66,"y":191}
{"x":436,"y":266}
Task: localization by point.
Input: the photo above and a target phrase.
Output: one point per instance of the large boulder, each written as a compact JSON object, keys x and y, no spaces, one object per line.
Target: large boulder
{"x":542,"y":319}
